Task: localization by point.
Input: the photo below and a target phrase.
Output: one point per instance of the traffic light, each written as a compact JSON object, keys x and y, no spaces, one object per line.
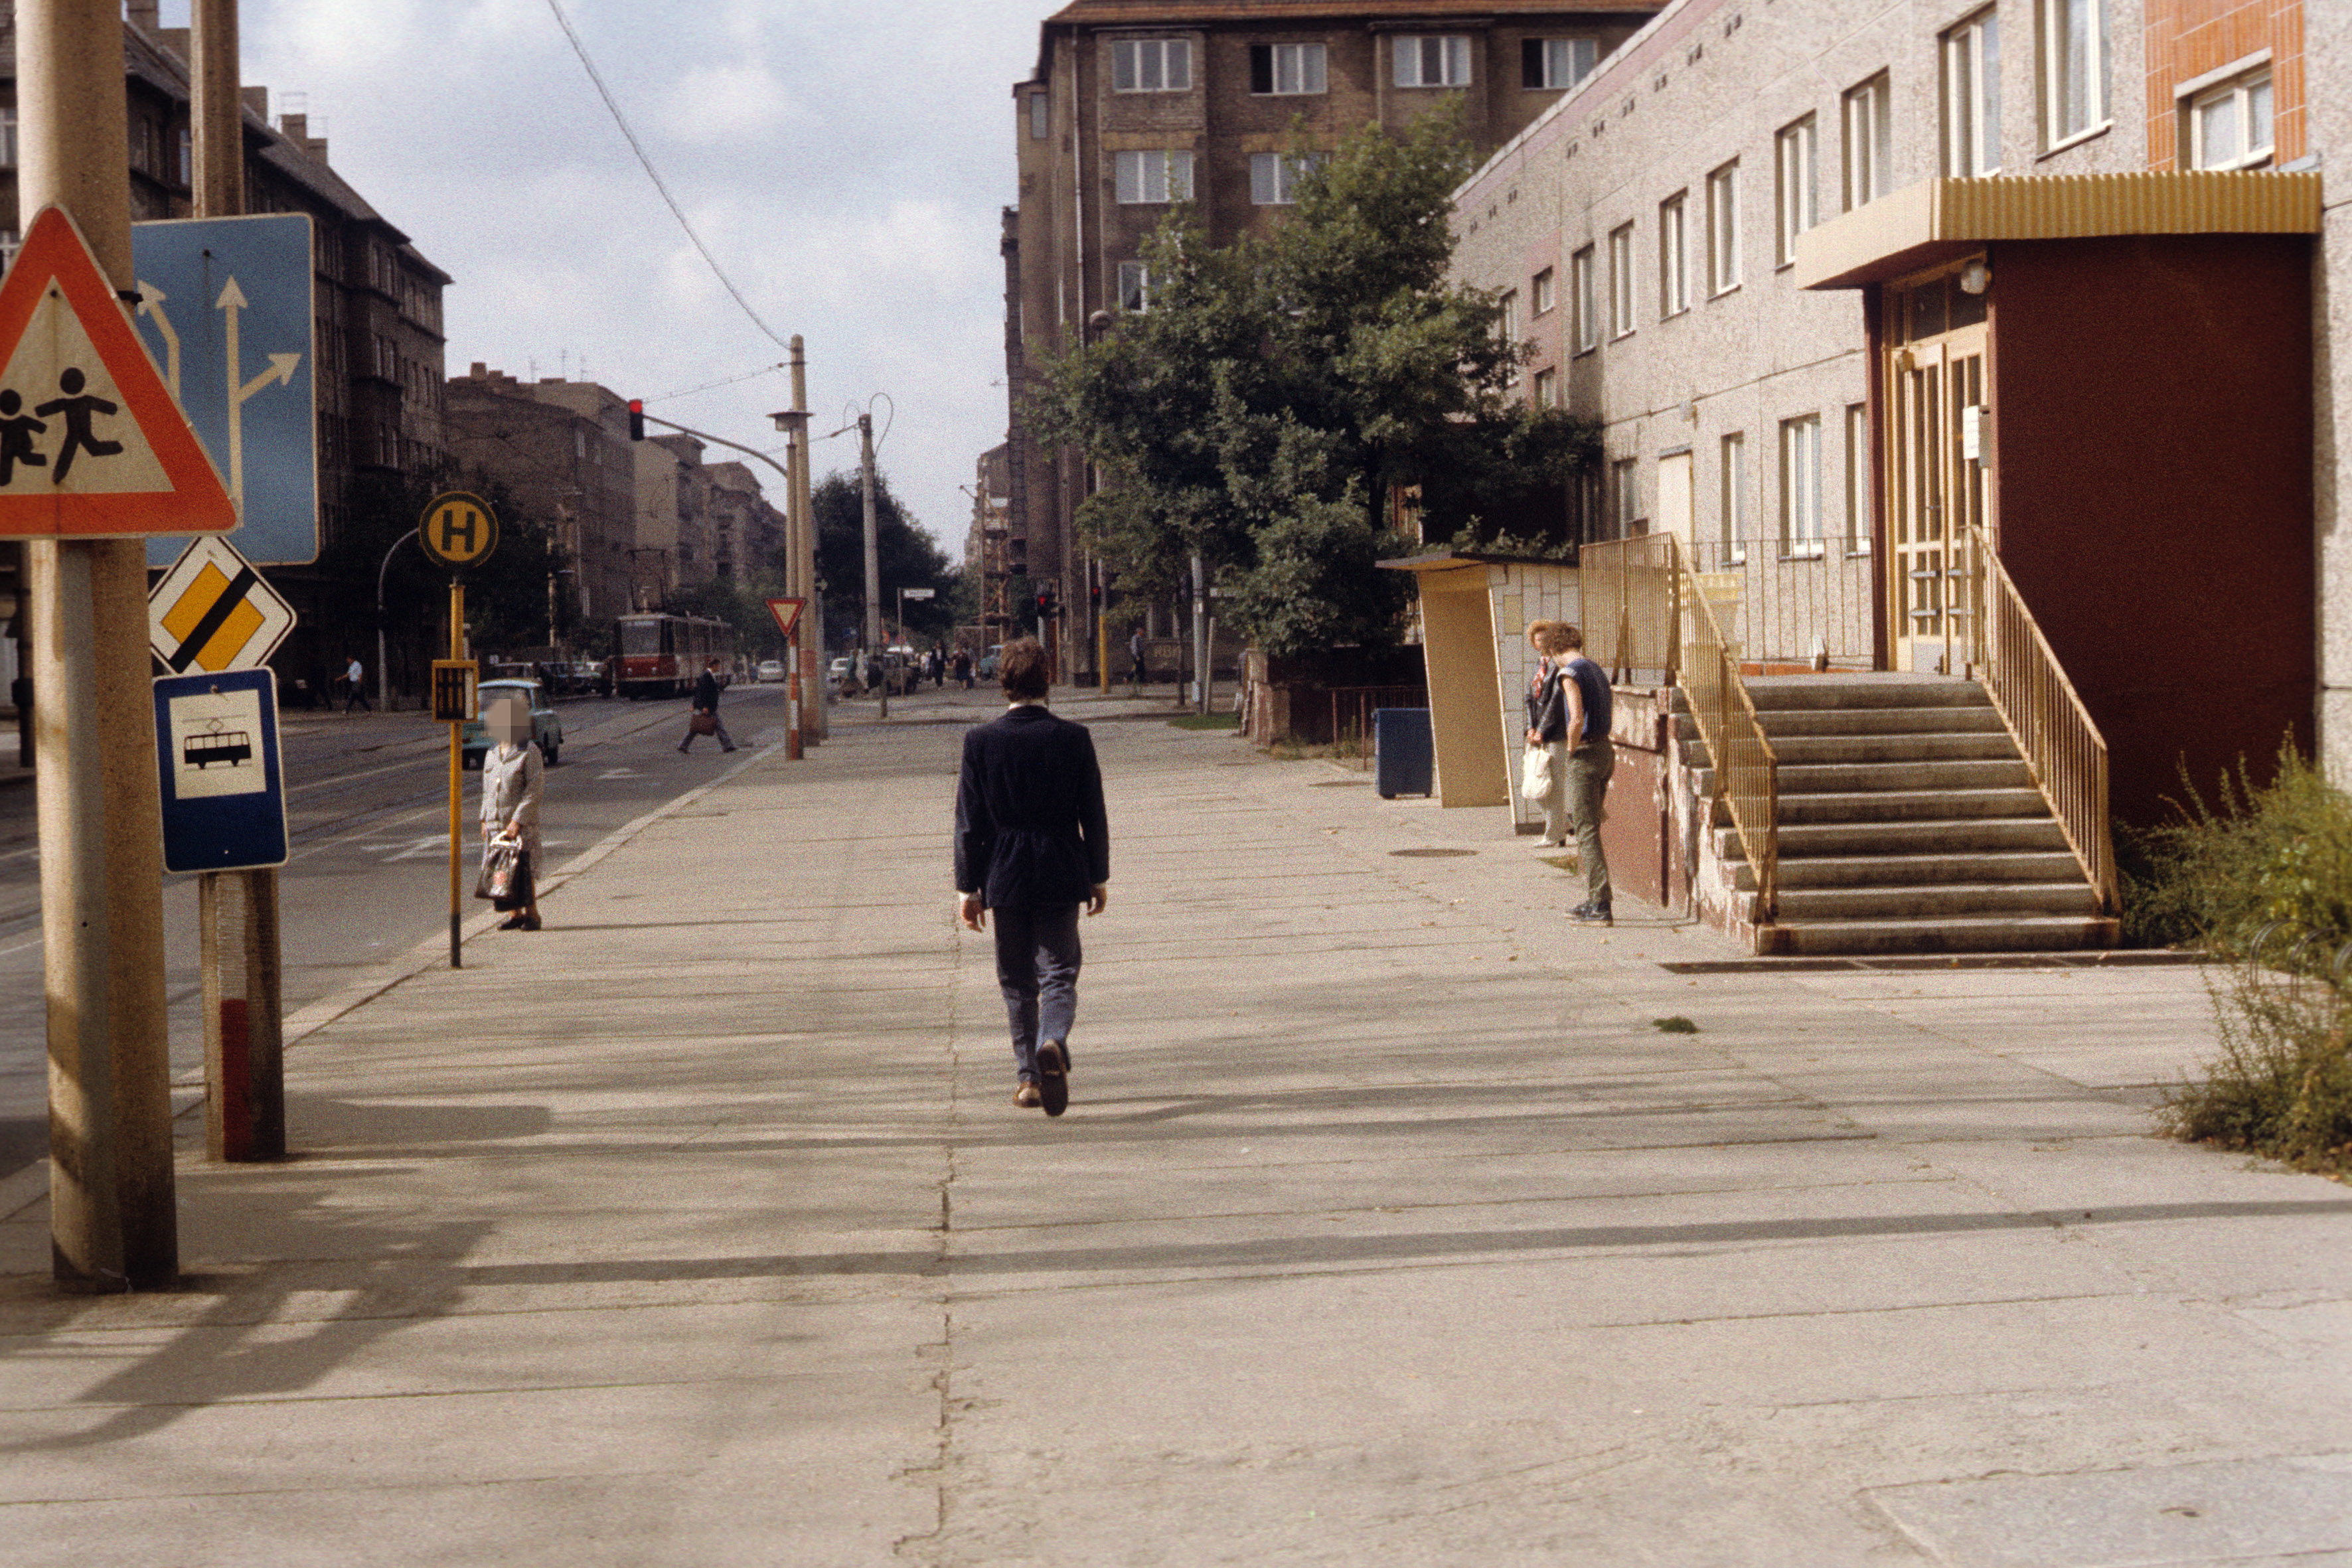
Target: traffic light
{"x":1096,"y":592}
{"x":1045,"y":604}
{"x":636,"y":418}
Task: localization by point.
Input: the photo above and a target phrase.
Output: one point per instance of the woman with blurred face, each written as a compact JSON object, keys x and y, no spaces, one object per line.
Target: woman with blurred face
{"x":511,"y":773}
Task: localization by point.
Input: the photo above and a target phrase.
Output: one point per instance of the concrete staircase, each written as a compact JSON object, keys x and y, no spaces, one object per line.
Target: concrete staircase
{"x":1909,"y":823}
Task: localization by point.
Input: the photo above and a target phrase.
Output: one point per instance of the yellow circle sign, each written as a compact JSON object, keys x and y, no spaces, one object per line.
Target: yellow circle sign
{"x":458,"y":529}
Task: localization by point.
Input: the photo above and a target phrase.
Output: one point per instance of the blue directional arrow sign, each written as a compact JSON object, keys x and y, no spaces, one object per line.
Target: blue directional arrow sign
{"x":225,"y":308}
{"x":216,"y":754}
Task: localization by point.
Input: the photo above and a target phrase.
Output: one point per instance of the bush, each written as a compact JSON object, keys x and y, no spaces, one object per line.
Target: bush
{"x":2282,"y":1085}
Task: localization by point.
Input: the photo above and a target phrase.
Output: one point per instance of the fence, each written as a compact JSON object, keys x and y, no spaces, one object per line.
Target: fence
{"x":1629,"y":591}
{"x":2062,"y":747}
{"x":1352,"y":708}
{"x":1785,"y":608}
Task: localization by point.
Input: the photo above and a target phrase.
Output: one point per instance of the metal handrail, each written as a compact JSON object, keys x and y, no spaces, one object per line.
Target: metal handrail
{"x":2062,"y":748}
{"x":1746,"y":770}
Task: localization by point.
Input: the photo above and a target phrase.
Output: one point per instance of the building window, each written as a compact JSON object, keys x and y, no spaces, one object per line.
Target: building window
{"x":1134,"y":286}
{"x":1287,"y":69}
{"x":1547,"y":389}
{"x":1800,"y":485}
{"x":2074,"y":69}
{"x":1972,"y":97}
{"x":1857,"y":477}
{"x":1548,"y":64}
{"x":1432,"y":62}
{"x":1625,"y":491}
{"x":1723,"y":229}
{"x":1869,"y":142}
{"x":1673,"y":261}
{"x":1584,"y":303}
{"x":1041,"y":116}
{"x":1546,"y":294}
{"x":1151,"y":65}
{"x":1155,"y":176}
{"x":1274,"y":178}
{"x":1509,"y":326}
{"x":10,"y":243}
{"x":1735,"y":497}
{"x":1796,"y":158}
{"x":2229,"y":125}
{"x":1621,"y":282}
{"x":8,"y":136}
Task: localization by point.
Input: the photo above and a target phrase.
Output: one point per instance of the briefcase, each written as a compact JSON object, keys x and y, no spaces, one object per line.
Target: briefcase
{"x":703,"y":723}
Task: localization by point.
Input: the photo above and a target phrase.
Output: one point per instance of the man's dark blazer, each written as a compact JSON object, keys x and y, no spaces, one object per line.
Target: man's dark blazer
{"x":706,"y":693}
{"x":1029,"y":827}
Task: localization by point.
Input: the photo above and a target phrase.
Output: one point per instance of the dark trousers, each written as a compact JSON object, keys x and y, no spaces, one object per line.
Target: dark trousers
{"x":1037,"y":969}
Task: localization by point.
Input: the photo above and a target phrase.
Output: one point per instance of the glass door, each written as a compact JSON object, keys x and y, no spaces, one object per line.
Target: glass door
{"x":1935,"y":455}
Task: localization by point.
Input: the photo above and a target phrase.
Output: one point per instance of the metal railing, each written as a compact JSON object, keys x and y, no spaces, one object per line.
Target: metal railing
{"x":1790,"y":606}
{"x":1647,"y":612}
{"x":2062,"y":746}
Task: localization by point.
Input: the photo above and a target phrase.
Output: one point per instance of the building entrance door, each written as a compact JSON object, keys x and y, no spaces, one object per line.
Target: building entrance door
{"x":1674,"y":496}
{"x":1935,"y":458}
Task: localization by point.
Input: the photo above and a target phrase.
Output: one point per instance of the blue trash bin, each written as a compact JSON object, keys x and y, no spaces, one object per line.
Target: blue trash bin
{"x":1404,"y":757}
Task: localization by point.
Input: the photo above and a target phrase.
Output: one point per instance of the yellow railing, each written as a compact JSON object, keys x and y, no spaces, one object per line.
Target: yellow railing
{"x":2062,"y":748}
{"x":1644,"y":614}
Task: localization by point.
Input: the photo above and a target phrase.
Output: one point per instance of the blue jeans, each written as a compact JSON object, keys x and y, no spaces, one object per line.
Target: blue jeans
{"x":1037,"y":969}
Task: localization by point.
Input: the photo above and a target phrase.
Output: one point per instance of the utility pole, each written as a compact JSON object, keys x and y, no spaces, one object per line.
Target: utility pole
{"x":873,"y":643}
{"x":113,"y":1222}
{"x":815,"y":702}
{"x":237,"y":911}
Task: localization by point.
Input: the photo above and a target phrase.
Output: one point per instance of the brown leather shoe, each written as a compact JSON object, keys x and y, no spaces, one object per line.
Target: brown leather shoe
{"x":1026,"y":1097}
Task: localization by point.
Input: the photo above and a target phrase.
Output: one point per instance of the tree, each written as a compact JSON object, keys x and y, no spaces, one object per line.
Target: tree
{"x":908,"y":555}
{"x":1277,"y":392}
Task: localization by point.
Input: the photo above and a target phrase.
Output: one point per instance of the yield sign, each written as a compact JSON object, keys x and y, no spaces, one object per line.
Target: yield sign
{"x":91,"y":444}
{"x":787,"y":613}
{"x":213,"y":612}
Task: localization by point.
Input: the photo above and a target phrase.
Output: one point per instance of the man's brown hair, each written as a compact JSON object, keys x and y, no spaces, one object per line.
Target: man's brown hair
{"x":1021,"y":670}
{"x":1570,"y":638}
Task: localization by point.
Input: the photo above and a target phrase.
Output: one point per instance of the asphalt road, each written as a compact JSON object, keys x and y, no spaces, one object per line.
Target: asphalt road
{"x":368,"y":809}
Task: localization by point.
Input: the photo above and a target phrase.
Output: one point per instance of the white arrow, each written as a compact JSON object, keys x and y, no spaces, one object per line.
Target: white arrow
{"x":150,"y":305}
{"x":281,"y":370}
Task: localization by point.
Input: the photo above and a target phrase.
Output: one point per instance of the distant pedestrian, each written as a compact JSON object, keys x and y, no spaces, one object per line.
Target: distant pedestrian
{"x":1136,"y":650}
{"x":963,"y":668}
{"x":355,"y":685}
{"x":1591,"y":758}
{"x":1548,"y":723}
{"x":705,"y":719}
{"x":1031,"y":845}
{"x":512,"y":774}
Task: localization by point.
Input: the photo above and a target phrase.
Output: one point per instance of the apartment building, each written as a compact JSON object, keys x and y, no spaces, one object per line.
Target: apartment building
{"x":1842,"y":280}
{"x":1138,"y":106}
{"x":378,"y":328}
{"x":563,"y":448}
{"x":745,"y":530}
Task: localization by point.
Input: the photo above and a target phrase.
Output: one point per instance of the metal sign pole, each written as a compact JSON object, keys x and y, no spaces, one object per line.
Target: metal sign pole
{"x":456,"y":769}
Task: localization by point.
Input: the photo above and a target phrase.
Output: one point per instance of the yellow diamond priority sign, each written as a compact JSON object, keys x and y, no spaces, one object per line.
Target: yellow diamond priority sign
{"x":212,"y":612}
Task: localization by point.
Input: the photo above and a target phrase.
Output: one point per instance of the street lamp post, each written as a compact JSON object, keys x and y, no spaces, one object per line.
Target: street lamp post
{"x":382,"y":681}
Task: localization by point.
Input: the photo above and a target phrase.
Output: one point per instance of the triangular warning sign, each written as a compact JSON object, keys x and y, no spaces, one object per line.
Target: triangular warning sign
{"x":91,"y":444}
{"x":788,"y":614}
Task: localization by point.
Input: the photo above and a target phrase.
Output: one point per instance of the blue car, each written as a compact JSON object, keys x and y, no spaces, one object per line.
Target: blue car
{"x":546,"y":727}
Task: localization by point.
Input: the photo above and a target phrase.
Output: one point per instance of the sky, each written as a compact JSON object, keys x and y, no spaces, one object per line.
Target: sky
{"x":845,"y":161}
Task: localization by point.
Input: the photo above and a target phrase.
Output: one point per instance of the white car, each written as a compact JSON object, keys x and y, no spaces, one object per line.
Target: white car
{"x":769,"y":670}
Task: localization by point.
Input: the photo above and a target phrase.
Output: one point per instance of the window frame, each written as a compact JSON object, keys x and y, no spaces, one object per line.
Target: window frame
{"x":2238,"y":90}
{"x":1625,"y":496}
{"x":1454,"y":48}
{"x":1622,"y":304}
{"x":1171,"y":159}
{"x":1539,"y":56}
{"x":2053,"y":35}
{"x":1800,"y":486}
{"x":1674,"y":255}
{"x":1867,"y":158}
{"x":1041,"y":116}
{"x":1134,"y":279}
{"x":1543,"y":293}
{"x":1131,"y":64}
{"x":1583,"y":299}
{"x":1797,"y":192}
{"x":1300,"y":53}
{"x":1543,"y":390}
{"x":1731,"y":474}
{"x":1858,"y":487}
{"x":1723,"y":267}
{"x":1283,"y":170}
{"x":1969,"y":55}
{"x":1507,"y":326}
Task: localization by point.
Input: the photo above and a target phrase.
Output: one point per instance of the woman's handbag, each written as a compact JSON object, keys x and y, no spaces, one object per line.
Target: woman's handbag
{"x":1535,"y":774}
{"x":703,"y":723}
{"x":506,"y":875}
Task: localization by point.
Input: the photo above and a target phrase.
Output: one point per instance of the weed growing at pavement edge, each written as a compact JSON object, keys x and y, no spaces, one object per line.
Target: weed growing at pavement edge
{"x":1207,"y":720}
{"x":1677,"y":1025}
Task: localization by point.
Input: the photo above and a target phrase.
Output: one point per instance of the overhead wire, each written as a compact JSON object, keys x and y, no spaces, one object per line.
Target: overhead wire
{"x":653,"y":175}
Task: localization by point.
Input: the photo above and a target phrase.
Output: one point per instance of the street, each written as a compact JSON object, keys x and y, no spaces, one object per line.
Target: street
{"x":1386,"y":1225}
{"x":368,"y":810}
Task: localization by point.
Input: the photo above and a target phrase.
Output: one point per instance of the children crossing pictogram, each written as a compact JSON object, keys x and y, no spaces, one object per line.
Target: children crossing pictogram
{"x":91,"y":443}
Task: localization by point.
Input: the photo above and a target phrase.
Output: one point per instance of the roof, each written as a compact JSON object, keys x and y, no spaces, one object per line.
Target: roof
{"x":1169,"y":13}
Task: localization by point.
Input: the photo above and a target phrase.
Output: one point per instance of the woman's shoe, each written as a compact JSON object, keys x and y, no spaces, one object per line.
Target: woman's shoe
{"x":529,"y":922}
{"x":512,"y":922}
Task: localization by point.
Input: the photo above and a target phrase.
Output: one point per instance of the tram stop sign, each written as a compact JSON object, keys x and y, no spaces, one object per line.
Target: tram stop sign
{"x":458,"y":529}
{"x":223,"y":796}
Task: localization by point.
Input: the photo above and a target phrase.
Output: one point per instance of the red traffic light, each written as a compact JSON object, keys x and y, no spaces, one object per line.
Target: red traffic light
{"x":636,"y":418}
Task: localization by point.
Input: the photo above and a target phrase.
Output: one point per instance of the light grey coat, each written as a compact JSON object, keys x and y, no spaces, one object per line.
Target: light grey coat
{"x":510,"y":791}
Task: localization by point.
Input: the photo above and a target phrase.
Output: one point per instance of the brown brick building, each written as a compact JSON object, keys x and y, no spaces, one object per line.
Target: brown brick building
{"x":1139,"y":105}
{"x":563,"y":448}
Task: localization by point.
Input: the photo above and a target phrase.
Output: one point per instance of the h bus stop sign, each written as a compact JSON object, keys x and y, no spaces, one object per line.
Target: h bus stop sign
{"x":216,"y":758}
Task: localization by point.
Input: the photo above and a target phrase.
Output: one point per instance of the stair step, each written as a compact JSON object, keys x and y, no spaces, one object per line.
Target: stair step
{"x":1945,"y":900}
{"x":1911,"y":805}
{"x":1833,"y":691}
{"x":1921,"y":870}
{"x":2039,"y":933}
{"x":1853,"y":778}
{"x":1801,"y":751}
{"x":1932,"y":836}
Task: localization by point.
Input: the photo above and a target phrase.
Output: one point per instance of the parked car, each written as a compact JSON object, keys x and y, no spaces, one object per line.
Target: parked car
{"x":987,"y":670}
{"x":546,"y":727}
{"x":769,"y":670}
{"x":902,"y":671}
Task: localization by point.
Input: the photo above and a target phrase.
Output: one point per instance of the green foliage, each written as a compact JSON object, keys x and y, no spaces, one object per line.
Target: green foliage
{"x":1207,"y":721}
{"x":1677,"y":1025}
{"x":1260,"y":413}
{"x":906,"y":553}
{"x":2275,"y":854}
{"x":505,"y":596}
{"x":2283,"y":1084}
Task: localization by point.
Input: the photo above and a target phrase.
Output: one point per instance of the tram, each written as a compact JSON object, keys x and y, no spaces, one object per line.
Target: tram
{"x":661,"y":654}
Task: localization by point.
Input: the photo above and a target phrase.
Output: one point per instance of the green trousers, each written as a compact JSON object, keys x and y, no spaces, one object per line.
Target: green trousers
{"x":1589,"y":767}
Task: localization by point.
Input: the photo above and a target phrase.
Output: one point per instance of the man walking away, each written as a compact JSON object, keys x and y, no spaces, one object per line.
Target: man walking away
{"x":1135,"y":650}
{"x":355,"y":679}
{"x":1031,"y":845}
{"x":705,"y":719}
{"x":1591,"y":758}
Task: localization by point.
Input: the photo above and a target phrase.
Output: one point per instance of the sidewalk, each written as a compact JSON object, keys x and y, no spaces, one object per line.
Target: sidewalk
{"x":1384,"y":1226}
